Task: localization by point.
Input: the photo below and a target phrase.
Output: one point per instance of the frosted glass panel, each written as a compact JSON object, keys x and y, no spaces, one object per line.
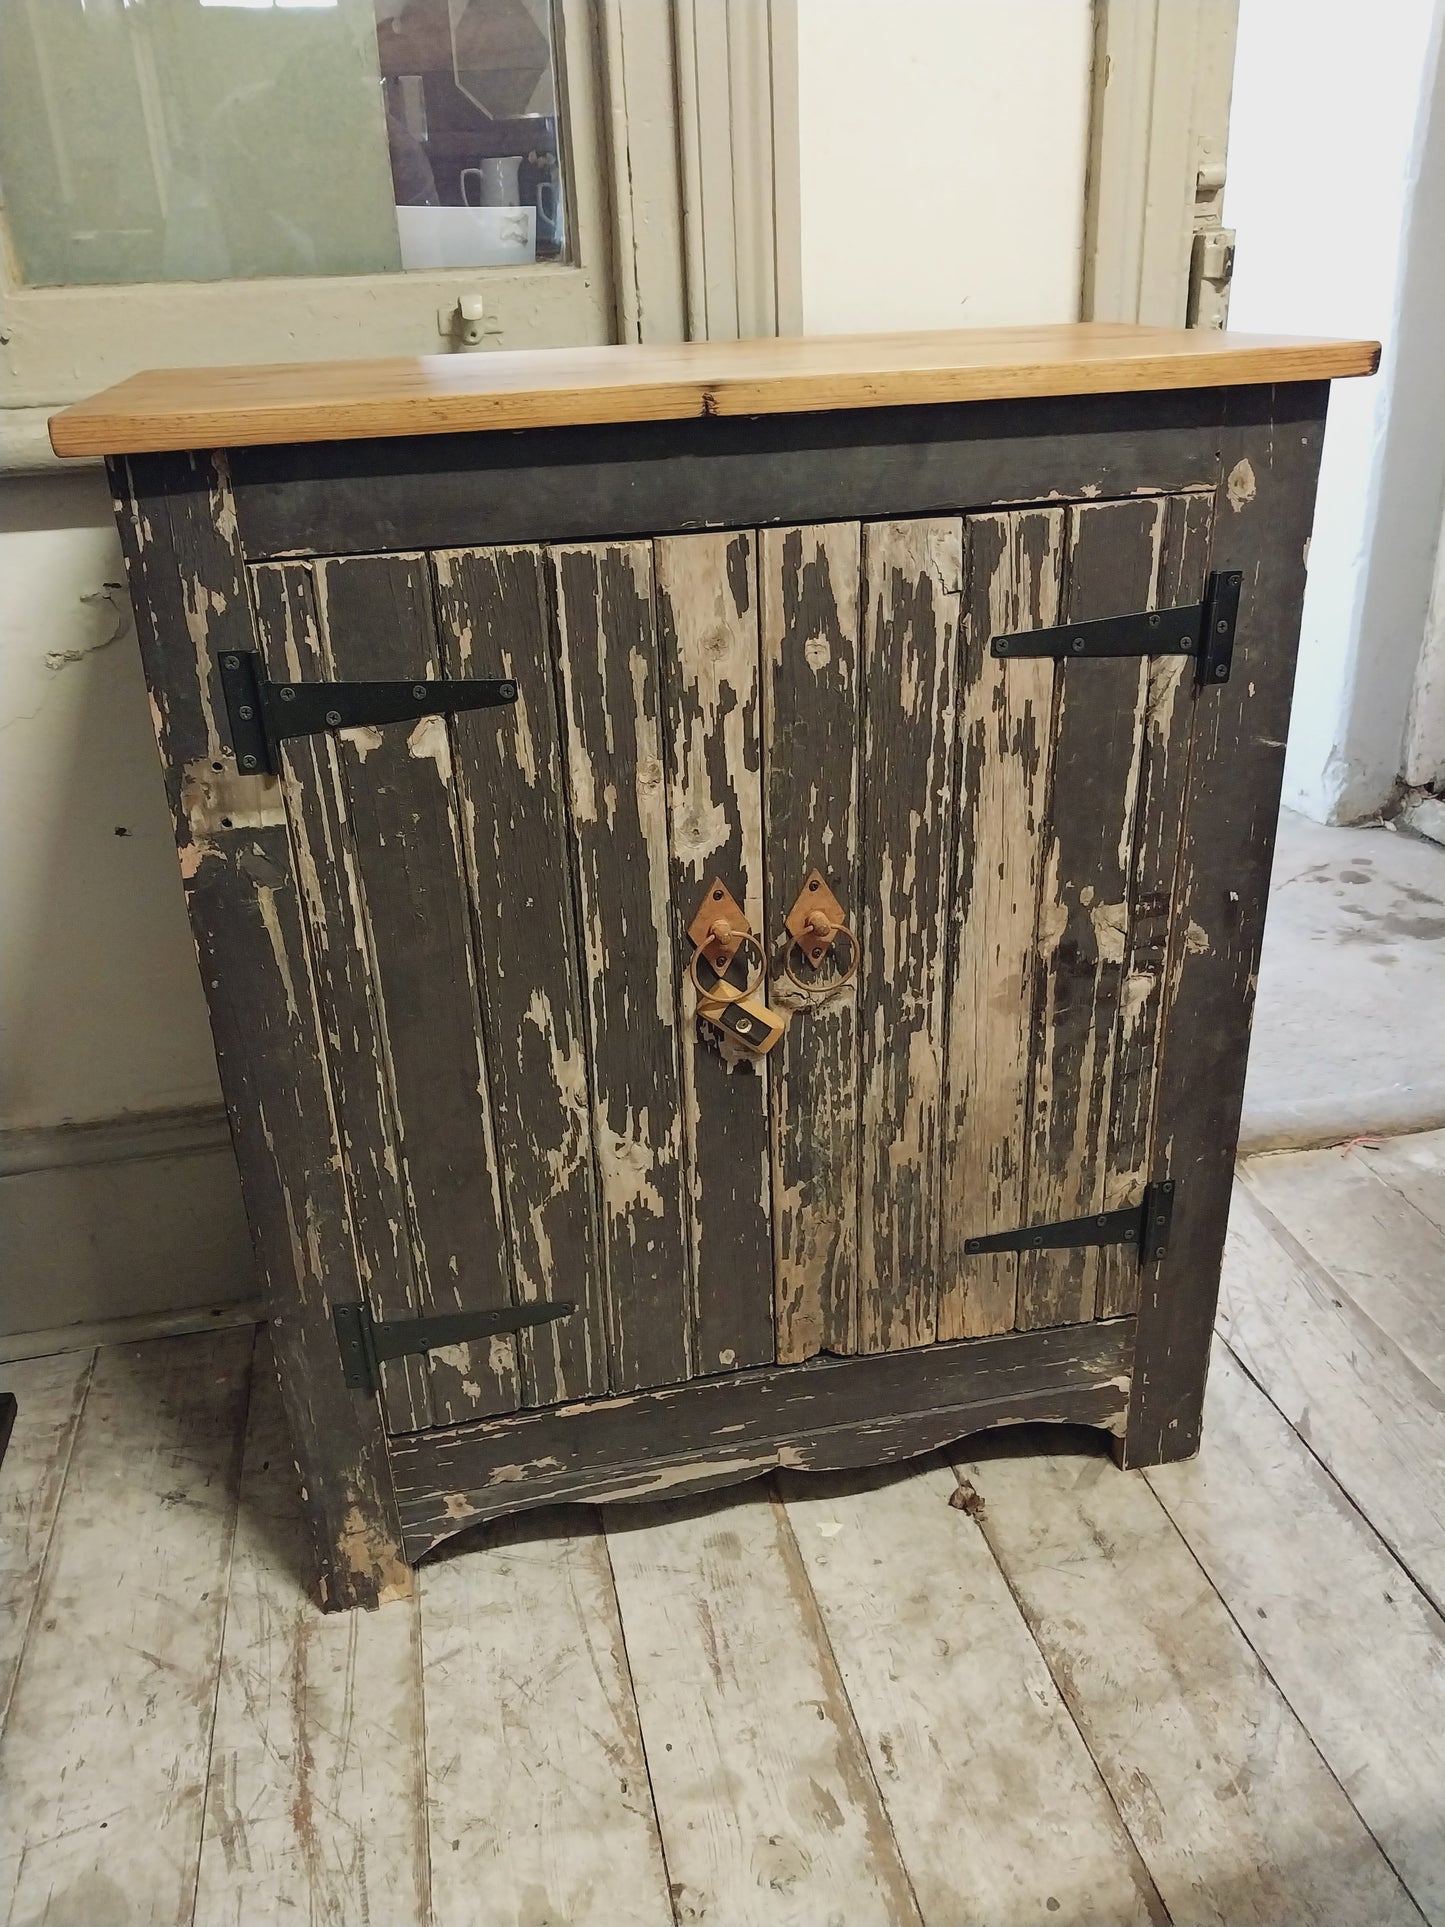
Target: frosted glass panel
{"x":198,"y":140}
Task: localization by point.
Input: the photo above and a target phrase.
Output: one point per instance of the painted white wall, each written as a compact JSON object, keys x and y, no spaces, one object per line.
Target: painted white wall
{"x":942,"y":149}
{"x":1336,"y":189}
{"x":101,"y":1012}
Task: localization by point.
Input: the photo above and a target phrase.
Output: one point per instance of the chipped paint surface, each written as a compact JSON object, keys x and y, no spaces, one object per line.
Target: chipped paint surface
{"x":1240,"y":487}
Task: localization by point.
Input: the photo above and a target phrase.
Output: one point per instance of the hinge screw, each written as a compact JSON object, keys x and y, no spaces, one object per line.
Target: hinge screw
{"x":419,"y":692}
{"x":232,"y":662}
{"x":1221,"y":671}
{"x":288,"y":694}
{"x":1077,"y":644}
{"x":248,"y":762}
{"x":333,"y":718}
{"x":245,"y":712}
{"x":509,"y":692}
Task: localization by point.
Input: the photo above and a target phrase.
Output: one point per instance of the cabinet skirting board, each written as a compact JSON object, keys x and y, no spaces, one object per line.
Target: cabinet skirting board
{"x":825,"y":1416}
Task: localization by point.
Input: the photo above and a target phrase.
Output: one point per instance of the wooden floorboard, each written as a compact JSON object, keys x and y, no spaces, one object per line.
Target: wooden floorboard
{"x":999,"y":1813}
{"x":1216,"y":1689}
{"x":103,"y":1769}
{"x":1370,"y":1416}
{"x":317,"y":1779}
{"x":539,"y":1808}
{"x":1237,"y":1817}
{"x":49,"y":1394}
{"x":1354,"y":1648}
{"x":1383,"y":1251}
{"x":768,"y":1807}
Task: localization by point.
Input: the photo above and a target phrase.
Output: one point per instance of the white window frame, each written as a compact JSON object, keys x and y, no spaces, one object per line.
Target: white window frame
{"x":61,"y":344}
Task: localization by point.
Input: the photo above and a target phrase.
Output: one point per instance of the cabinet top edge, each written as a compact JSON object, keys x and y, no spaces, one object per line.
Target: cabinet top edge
{"x":196,"y":408}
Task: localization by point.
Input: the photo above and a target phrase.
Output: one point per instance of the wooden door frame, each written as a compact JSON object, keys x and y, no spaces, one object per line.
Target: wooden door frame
{"x":1158,"y":136}
{"x":701,"y":108}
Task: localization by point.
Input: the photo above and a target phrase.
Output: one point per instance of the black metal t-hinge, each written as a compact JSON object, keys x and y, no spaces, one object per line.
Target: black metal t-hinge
{"x":364,"y":1343}
{"x":1204,"y":630}
{"x":1145,"y":1226}
{"x":263,"y":714}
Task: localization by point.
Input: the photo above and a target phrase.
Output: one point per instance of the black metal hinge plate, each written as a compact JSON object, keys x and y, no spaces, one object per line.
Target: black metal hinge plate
{"x":263,"y":714}
{"x":364,"y":1343}
{"x":1145,"y":1226}
{"x":1204,"y":630}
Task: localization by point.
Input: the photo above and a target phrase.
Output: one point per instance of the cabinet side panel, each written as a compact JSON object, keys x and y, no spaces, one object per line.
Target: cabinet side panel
{"x":1163,"y":775}
{"x":188,"y":585}
{"x":618,"y":808}
{"x":912,"y":574}
{"x":327,"y":875}
{"x":809,"y":581}
{"x":1014,"y":576}
{"x":494,"y":619}
{"x":707,"y":615}
{"x":1113,"y":563}
{"x":1262,"y":523}
{"x":376,"y":623}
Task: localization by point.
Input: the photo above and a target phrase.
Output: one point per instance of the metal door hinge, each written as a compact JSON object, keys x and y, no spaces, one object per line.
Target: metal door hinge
{"x":263,"y":714}
{"x":1145,"y":1226}
{"x":364,"y":1343}
{"x":1204,"y":630}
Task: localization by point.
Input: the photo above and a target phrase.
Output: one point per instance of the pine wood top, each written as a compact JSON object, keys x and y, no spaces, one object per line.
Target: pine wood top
{"x":539,"y":388}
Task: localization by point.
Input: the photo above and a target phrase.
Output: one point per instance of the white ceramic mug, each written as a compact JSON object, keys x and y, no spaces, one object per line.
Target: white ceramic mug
{"x":497,"y":184}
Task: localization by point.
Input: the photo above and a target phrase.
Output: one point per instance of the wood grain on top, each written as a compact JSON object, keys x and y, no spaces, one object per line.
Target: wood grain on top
{"x":183,"y":408}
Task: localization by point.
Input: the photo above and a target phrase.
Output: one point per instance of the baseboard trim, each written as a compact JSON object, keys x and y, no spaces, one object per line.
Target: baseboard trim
{"x":186,"y":1131}
{"x":134,"y":1217}
{"x":129,"y":1331}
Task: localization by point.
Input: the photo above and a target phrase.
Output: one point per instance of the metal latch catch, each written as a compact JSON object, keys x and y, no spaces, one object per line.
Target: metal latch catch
{"x":1145,"y":1226}
{"x":365,"y":1344}
{"x":263,"y":714}
{"x":1204,"y":630}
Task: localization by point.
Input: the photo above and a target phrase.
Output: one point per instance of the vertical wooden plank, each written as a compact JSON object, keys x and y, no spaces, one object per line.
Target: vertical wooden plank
{"x":1271,"y":450}
{"x":1158,"y":814}
{"x":539,"y":1804}
{"x":49,"y":1394}
{"x":912,"y":574}
{"x":707,"y":620}
{"x":1014,"y":576}
{"x":375,"y":614}
{"x":809,"y":581}
{"x":103,"y":1772}
{"x":316,"y":1798}
{"x":999,"y":1813}
{"x":618,"y":811}
{"x":1114,"y":551}
{"x":768,"y":1809}
{"x":494,"y":620}
{"x":178,"y":531}
{"x":329,"y":884}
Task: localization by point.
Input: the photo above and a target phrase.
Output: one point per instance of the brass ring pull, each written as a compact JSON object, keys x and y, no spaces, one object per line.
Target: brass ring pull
{"x":720,"y":991}
{"x":832,"y":985}
{"x":814,"y":925}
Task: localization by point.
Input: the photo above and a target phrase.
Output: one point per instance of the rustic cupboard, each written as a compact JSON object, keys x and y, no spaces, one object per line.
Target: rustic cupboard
{"x":474,"y":680}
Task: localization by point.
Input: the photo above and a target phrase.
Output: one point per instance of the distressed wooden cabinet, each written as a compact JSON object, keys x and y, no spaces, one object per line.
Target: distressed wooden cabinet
{"x":946,"y":619}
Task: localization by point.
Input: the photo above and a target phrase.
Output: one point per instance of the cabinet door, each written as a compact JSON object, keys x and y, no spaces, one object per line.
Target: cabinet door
{"x":1004,"y":833}
{"x":496,"y":904}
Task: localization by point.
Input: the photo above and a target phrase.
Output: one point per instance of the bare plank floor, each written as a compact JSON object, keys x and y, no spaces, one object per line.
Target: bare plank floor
{"x":1007,"y":1686}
